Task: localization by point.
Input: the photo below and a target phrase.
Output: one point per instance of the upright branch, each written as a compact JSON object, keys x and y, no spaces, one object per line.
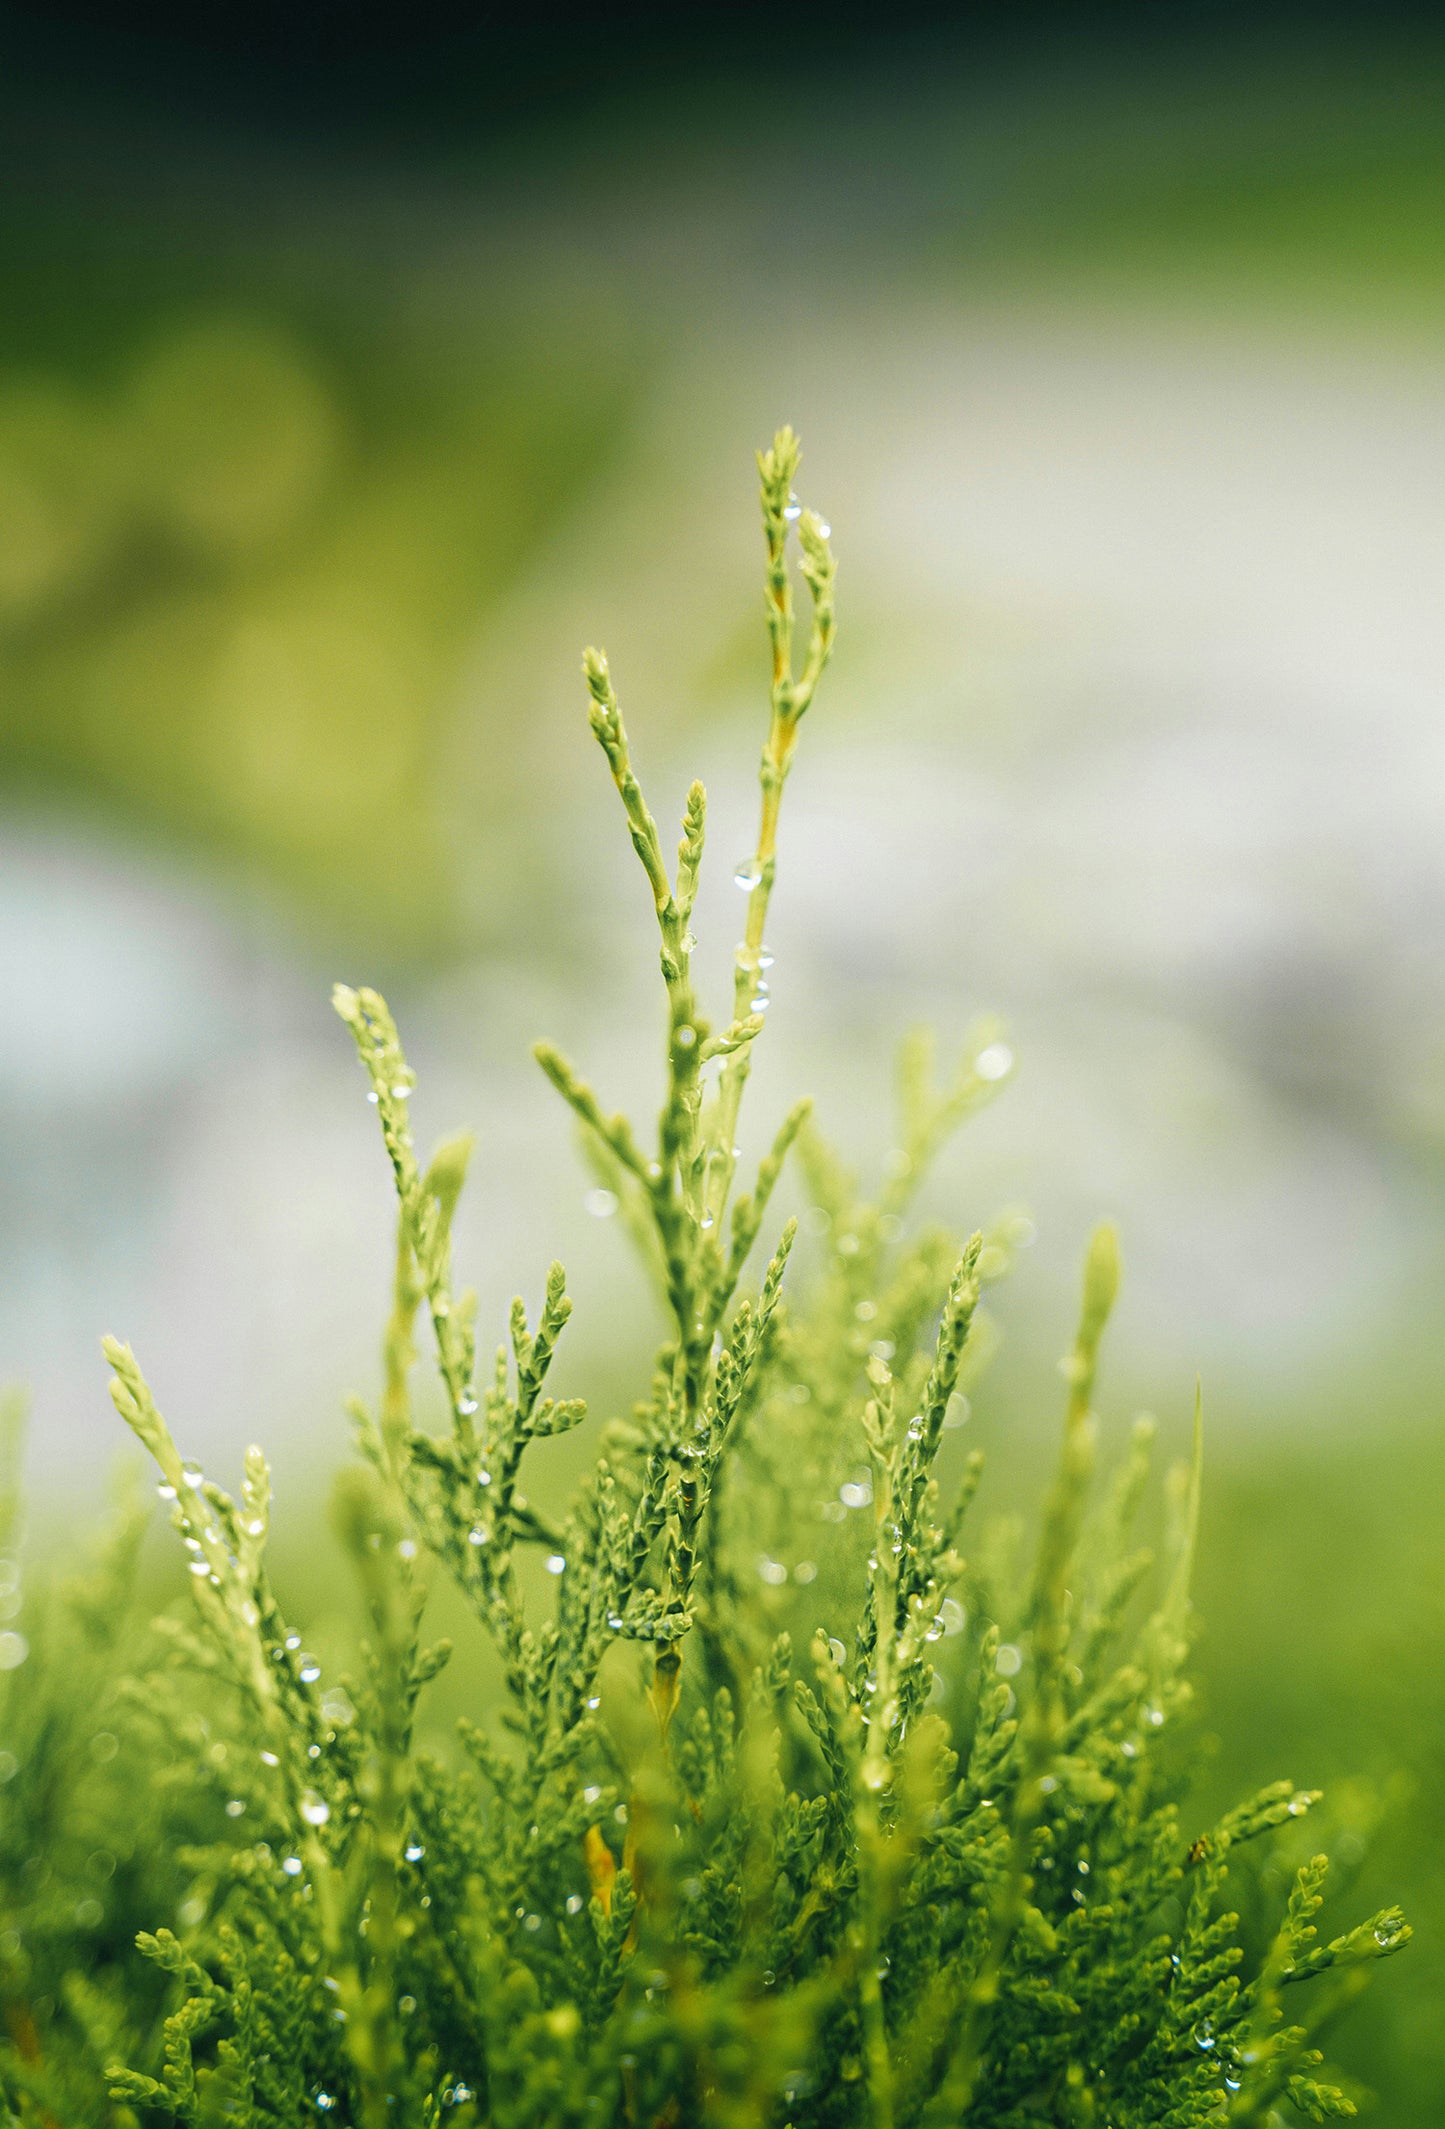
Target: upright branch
{"x":685,"y":1185}
{"x":791,"y":697}
{"x":1042,"y":1725}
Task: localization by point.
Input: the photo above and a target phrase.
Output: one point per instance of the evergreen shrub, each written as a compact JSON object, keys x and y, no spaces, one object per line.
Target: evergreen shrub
{"x":793,"y":1817}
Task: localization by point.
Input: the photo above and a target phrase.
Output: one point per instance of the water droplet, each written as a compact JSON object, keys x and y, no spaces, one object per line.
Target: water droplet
{"x":806,"y":1571}
{"x":953,"y":1615}
{"x":478,"y":1535}
{"x":291,"y":1864}
{"x":994,"y":1062}
{"x":614,"y":1620}
{"x":1154,"y":1717}
{"x":269,"y":1759}
{"x":937,"y":1630}
{"x":1204,"y":2037}
{"x":915,"y":1428}
{"x":856,"y":1494}
{"x":574,"y":1903}
{"x":373,"y":1097}
{"x":593,"y":1700}
{"x":315,"y":1809}
{"x":324,"y":2102}
{"x":760,"y":1001}
{"x":199,"y":1567}
{"x":825,"y":530}
{"x":1298,"y":1806}
{"x":686,"y":1036}
{"x":601,"y":1203}
{"x":706,"y":1222}
{"x":792,"y":510}
{"x":193,"y":1475}
{"x":772,"y":1572}
{"x":484,"y":1478}
{"x":556,"y":1563}
{"x":256,"y":1527}
{"x":166,"y":1492}
{"x":836,"y":1650}
{"x":882,"y":1349}
{"x":467,"y":1405}
{"x":310,"y":1670}
{"x":407,"y":1548}
{"x":747,"y":874}
{"x":957,"y":1412}
{"x":688,"y":943}
{"x":1386,"y":1935}
{"x":235,"y":1808}
{"x":1009,"y":1661}
{"x":414,"y":1851}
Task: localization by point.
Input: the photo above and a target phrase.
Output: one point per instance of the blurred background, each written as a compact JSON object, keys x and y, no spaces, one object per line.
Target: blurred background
{"x":356,"y":370}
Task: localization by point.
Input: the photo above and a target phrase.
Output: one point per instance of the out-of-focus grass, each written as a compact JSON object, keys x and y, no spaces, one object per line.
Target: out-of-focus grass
{"x":1321,"y":1592}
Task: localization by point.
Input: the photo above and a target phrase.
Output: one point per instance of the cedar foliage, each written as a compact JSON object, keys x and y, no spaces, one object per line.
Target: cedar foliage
{"x":720,"y":1858}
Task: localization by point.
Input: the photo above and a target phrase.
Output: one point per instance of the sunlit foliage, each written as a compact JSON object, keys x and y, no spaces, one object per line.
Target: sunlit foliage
{"x":791,"y":1814}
